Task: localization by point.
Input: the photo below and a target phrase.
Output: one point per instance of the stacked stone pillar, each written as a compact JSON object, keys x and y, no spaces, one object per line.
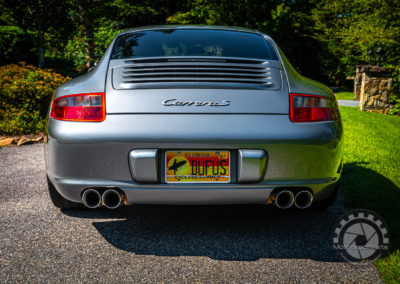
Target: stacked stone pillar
{"x":357,"y":83}
{"x":372,"y":86}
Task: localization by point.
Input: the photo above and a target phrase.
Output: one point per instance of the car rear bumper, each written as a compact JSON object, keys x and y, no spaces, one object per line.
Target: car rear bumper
{"x":71,"y":189}
{"x":82,"y":155}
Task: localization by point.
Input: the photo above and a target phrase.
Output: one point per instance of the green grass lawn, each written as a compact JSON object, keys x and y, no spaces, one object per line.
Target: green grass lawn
{"x":371,"y":174}
{"x":345,"y":96}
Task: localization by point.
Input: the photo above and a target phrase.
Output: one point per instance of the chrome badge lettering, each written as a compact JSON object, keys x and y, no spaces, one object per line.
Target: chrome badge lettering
{"x":175,"y":102}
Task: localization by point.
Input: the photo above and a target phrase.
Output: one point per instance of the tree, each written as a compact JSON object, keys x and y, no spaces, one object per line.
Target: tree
{"x":34,"y":18}
{"x":288,"y":22}
{"x":349,"y":28}
{"x":85,"y":19}
{"x":99,"y":21}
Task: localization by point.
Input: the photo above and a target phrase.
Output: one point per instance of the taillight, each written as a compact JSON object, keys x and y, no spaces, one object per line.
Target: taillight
{"x":80,"y":107}
{"x":309,"y":108}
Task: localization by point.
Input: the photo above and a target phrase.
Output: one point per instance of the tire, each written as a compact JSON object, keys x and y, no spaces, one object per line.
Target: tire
{"x":325,"y":203}
{"x":58,"y":200}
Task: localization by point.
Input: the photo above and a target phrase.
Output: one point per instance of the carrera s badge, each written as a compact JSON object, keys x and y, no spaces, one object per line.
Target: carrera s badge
{"x":175,"y":102}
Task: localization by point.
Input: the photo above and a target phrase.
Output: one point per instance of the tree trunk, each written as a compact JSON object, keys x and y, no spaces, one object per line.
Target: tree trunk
{"x":41,"y":48}
{"x":40,"y":31}
{"x":88,"y":28}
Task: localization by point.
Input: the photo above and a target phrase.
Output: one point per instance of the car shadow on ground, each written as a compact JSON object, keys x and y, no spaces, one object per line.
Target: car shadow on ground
{"x":235,"y":233}
{"x":245,"y":233}
{"x":366,"y":188}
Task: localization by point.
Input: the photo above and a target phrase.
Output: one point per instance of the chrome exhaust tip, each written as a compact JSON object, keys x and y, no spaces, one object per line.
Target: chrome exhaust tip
{"x":303,"y":199}
{"x":91,"y":198}
{"x":284,"y":199}
{"x":111,"y":199}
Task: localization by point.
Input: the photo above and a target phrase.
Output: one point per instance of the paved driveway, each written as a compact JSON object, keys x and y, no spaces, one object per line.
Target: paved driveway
{"x":349,"y":103}
{"x":158,"y":243}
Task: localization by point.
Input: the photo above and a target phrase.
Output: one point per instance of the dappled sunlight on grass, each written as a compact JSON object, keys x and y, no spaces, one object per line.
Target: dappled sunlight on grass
{"x":371,"y":173}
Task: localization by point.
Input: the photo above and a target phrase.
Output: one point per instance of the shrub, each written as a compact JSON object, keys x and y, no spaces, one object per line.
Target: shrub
{"x":395,"y":96}
{"x":25,"y":94}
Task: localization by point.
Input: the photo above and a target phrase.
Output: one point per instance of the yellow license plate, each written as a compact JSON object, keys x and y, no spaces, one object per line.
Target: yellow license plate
{"x":197,"y":167}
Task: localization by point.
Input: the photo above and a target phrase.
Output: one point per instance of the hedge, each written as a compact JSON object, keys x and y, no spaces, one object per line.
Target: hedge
{"x":25,"y":94}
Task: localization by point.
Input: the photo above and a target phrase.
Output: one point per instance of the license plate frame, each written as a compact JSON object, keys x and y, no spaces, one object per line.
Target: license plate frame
{"x":200,"y":157}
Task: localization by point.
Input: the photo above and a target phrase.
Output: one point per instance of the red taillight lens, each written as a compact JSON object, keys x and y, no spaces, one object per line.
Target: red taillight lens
{"x":309,"y":108}
{"x":80,"y":107}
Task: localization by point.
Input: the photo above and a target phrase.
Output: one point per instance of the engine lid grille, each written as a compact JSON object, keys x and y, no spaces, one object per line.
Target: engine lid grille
{"x":195,"y":72}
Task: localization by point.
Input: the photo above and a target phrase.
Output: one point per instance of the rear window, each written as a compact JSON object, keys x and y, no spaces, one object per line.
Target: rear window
{"x":192,"y":42}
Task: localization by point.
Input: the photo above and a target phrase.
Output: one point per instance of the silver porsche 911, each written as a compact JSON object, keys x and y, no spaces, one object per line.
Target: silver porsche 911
{"x":193,"y":115}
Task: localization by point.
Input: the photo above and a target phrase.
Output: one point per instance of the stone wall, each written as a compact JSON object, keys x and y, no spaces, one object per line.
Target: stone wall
{"x":373,"y":86}
{"x":357,"y":83}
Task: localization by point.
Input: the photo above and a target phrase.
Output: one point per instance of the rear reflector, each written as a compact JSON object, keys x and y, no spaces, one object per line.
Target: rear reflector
{"x":79,"y":107}
{"x":309,"y":108}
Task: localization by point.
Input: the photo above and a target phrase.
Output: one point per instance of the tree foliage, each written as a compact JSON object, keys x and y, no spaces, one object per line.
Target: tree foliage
{"x":324,"y":39}
{"x":349,"y":29}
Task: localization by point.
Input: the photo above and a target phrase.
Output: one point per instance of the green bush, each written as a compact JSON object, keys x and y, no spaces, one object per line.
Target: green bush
{"x":25,"y":94}
{"x":395,"y":96}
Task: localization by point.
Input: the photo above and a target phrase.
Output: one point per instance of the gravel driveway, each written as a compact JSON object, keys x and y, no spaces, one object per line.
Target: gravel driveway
{"x":38,"y":243}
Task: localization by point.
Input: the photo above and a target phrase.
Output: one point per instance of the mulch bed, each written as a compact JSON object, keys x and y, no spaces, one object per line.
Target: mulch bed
{"x":21,"y":139}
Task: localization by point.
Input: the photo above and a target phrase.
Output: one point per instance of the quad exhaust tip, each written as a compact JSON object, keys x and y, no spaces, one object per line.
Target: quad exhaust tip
{"x":303,"y":199}
{"x":91,"y":198}
{"x":284,"y":199}
{"x":111,"y":199}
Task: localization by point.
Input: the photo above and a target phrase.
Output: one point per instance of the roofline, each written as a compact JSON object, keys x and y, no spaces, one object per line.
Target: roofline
{"x":200,"y":27}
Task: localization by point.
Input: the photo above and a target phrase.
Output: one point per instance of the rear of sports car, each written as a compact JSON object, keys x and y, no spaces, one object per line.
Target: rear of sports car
{"x":193,"y":115}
